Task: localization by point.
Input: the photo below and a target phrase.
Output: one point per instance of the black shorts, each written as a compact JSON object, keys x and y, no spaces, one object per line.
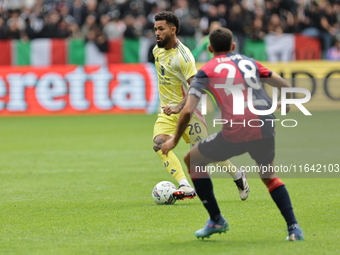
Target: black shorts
{"x":216,"y":148}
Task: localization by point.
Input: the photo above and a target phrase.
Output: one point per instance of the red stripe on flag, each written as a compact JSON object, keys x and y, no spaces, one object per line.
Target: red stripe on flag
{"x":114,"y":55}
{"x":58,"y":52}
{"x":5,"y":56}
{"x":307,"y":48}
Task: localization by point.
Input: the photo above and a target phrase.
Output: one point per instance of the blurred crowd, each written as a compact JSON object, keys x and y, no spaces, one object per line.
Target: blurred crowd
{"x":102,"y":20}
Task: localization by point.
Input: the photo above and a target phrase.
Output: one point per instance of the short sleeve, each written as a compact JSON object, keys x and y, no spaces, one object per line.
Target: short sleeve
{"x":187,"y":64}
{"x":264,"y":72}
{"x":200,"y":80}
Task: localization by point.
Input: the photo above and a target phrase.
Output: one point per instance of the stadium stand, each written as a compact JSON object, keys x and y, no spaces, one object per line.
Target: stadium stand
{"x":114,"y":31}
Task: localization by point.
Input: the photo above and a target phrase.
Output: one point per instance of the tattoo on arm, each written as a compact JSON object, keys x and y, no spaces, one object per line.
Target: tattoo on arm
{"x":181,"y":104}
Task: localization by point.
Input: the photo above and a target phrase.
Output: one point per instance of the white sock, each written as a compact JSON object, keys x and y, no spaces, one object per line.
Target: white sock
{"x":184,"y":182}
{"x":237,"y":175}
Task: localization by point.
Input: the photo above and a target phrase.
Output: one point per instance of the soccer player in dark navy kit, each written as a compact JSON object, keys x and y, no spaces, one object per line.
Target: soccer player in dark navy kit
{"x":229,"y":76}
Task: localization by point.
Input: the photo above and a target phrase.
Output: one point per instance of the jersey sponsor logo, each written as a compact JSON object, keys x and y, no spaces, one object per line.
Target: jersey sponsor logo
{"x":162,"y":70}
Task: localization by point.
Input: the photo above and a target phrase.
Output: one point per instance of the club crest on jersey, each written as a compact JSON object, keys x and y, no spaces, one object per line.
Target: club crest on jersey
{"x":162,"y":70}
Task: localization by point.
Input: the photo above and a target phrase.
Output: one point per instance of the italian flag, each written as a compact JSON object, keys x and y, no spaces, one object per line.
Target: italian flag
{"x":46,"y":52}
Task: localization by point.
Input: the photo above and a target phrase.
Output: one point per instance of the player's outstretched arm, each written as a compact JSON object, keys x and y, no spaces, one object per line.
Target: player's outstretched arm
{"x":182,"y":124}
{"x":277,"y":81}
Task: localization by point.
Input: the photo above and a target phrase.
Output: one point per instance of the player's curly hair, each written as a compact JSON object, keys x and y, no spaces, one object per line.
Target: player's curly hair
{"x":221,"y":39}
{"x":169,"y":17}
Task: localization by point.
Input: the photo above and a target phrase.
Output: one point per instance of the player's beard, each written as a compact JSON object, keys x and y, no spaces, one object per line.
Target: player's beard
{"x":164,"y":42}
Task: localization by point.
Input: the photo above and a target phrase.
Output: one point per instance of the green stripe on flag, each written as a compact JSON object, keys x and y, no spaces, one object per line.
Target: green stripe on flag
{"x":190,"y":42}
{"x":131,"y":50}
{"x":76,"y":51}
{"x":22,"y":52}
{"x":255,"y":49}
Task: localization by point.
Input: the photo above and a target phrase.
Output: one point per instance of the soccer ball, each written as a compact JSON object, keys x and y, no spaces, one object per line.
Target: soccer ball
{"x":162,"y":193}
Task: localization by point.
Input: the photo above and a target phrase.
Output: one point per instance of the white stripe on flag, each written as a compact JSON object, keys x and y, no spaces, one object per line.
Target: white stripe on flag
{"x":144,"y":46}
{"x":41,"y":52}
{"x":280,"y":48}
{"x":93,"y":56}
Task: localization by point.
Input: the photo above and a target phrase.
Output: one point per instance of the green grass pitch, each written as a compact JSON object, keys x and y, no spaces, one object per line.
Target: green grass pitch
{"x":82,"y":185}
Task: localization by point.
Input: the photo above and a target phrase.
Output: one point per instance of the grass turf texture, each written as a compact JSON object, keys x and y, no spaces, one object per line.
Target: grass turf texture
{"x":82,"y":185}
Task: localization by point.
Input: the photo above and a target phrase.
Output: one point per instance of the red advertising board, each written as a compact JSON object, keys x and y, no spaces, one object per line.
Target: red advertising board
{"x":68,"y":90}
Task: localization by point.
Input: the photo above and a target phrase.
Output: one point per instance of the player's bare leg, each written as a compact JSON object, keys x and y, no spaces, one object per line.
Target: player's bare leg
{"x":280,"y":196}
{"x":174,"y":167}
{"x":196,"y":162}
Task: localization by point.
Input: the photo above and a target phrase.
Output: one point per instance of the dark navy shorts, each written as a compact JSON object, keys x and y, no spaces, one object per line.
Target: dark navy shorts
{"x":216,"y":148}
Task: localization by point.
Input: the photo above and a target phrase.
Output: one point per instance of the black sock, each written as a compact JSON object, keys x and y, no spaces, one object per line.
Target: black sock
{"x":204,"y":190}
{"x":281,"y":198}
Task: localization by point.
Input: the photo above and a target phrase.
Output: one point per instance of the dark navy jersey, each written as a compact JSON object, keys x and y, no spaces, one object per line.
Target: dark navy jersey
{"x":242,"y":72}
